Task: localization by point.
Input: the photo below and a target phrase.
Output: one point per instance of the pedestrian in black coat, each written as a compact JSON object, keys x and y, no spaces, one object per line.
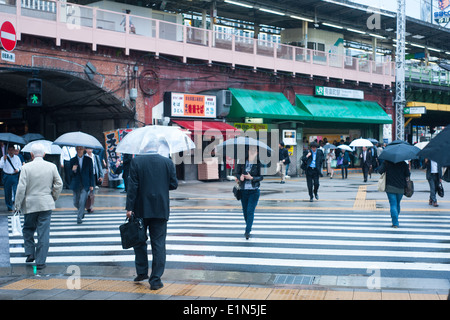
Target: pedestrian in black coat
{"x":151,"y":178}
{"x":312,"y":163}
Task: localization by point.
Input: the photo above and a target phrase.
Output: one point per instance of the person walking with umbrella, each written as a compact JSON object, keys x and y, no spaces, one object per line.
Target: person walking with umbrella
{"x":312,"y":160}
{"x":249,"y":176}
{"x":397,"y":174}
{"x":434,"y":177}
{"x":82,"y":180}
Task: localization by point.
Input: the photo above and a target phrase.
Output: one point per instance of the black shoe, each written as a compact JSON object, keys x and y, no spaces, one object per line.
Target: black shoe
{"x":141,"y":277}
{"x":40,"y":266}
{"x":156,"y":286}
{"x":317,"y":196}
{"x":311,"y":199}
{"x":247,"y":236}
{"x":30,"y":258}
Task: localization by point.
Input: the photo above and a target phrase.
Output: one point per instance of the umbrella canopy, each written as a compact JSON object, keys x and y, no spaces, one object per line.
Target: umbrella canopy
{"x":242,"y":142}
{"x":50,"y":148}
{"x":438,"y":148}
{"x":78,"y":138}
{"x":11,"y":138}
{"x":398,"y":142}
{"x":329,"y":146}
{"x":421,"y":145}
{"x":345,"y":147}
{"x":32,"y":137}
{"x":399,"y":152}
{"x":373,"y":140}
{"x":162,"y":139}
{"x":361,"y":143}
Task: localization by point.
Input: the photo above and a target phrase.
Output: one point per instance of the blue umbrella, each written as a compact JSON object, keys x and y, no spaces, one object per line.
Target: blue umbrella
{"x":399,"y":152}
{"x":11,"y":138}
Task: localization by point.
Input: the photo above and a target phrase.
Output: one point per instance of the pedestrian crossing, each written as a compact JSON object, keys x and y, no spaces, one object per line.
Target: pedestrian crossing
{"x":288,"y":242}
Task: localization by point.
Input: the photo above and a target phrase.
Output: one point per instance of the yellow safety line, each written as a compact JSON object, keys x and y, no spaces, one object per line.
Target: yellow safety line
{"x":229,"y":291}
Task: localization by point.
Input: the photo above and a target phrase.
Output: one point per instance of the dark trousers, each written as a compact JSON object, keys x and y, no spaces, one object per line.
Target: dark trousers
{"x":249,"y":201}
{"x":157,"y":230}
{"x":433,"y":182}
{"x":365,"y":170}
{"x":37,"y":222}
{"x":10,"y":182}
{"x":312,"y":180}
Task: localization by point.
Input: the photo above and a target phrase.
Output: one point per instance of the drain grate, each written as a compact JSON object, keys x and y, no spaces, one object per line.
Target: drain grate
{"x":293,"y":279}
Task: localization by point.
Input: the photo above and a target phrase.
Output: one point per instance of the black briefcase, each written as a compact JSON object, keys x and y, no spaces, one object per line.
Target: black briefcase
{"x":133,"y":232}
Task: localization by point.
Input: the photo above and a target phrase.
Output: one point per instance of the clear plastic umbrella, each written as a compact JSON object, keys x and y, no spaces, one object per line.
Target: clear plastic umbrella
{"x":162,"y":139}
{"x":345,"y":147}
{"x":361,"y":143}
{"x":78,"y":138}
{"x":49,"y":147}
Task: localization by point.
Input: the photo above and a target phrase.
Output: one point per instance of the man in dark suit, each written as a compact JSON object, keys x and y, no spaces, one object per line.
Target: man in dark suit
{"x":366,"y":162}
{"x":151,"y":177}
{"x":82,"y":181}
{"x":312,"y":164}
{"x":434,"y":177}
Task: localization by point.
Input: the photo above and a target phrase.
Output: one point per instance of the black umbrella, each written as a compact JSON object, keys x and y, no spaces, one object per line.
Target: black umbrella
{"x":399,"y":152}
{"x":11,"y":138}
{"x":438,"y":149}
{"x":32,"y":137}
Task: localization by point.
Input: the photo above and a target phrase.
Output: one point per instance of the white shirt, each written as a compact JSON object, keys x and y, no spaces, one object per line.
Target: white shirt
{"x":434,"y":167}
{"x":15,"y":160}
{"x":67,"y":154}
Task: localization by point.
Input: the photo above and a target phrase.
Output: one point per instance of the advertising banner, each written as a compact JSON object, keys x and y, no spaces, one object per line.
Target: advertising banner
{"x":114,"y":159}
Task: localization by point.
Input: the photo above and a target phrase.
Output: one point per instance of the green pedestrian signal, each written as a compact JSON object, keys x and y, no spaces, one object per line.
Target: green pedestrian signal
{"x":34,"y":92}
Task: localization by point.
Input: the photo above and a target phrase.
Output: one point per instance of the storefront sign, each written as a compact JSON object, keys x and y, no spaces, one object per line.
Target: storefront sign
{"x":414,"y":110}
{"x":189,"y":105}
{"x":289,"y":137}
{"x":339,"y":93}
{"x":254,"y":126}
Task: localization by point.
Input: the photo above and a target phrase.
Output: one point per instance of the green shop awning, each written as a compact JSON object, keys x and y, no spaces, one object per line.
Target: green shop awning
{"x":264,"y":104}
{"x":340,"y":110}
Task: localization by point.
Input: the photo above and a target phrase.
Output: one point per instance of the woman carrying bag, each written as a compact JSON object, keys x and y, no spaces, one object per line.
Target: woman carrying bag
{"x":249,"y":177}
{"x":397,"y":175}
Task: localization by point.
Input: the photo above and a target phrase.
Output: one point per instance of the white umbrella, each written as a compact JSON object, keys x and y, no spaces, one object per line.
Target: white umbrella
{"x":50,"y":148}
{"x":361,"y":143}
{"x":161,"y":139}
{"x":422,"y":144}
{"x":345,"y":147}
{"x":78,"y":138}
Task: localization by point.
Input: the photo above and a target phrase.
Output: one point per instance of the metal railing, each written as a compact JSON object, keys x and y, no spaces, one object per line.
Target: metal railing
{"x":73,"y":22}
{"x":428,"y":75}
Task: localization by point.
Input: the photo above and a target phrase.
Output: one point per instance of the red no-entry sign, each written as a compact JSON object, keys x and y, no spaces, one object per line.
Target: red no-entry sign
{"x":8,"y":36}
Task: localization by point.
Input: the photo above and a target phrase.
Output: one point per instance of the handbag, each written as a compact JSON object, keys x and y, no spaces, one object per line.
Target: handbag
{"x":340,"y":161}
{"x":440,"y":190}
{"x":382,"y":182}
{"x":446,"y":175}
{"x":409,"y":189}
{"x":132,"y":232}
{"x":16,"y":226}
{"x":237,"y":192}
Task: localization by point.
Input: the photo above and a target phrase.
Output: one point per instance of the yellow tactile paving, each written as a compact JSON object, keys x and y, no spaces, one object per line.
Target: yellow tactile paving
{"x":231,"y":292}
{"x":255,"y":293}
{"x":21,"y":285}
{"x":366,"y":295}
{"x":221,"y":291}
{"x":339,"y":295}
{"x":202,"y":290}
{"x":284,"y":294}
{"x":311,"y":294}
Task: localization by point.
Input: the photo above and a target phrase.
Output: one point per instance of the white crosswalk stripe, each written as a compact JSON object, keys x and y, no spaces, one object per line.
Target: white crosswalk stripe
{"x":291,"y":241}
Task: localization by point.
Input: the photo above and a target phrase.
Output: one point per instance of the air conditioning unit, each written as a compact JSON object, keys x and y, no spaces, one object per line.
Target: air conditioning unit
{"x":223,"y":101}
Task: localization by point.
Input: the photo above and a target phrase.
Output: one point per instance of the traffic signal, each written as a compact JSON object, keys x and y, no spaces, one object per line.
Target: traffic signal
{"x":34,"y":93}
